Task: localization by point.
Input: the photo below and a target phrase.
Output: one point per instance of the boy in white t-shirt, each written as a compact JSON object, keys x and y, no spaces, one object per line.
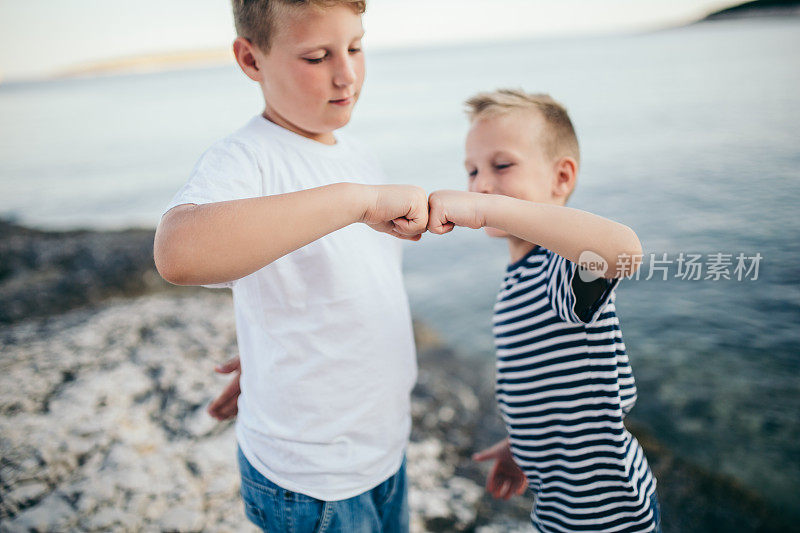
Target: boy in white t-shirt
{"x":323,"y":325}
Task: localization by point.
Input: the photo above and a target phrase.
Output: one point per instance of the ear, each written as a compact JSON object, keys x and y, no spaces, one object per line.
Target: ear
{"x":566,"y":174}
{"x":247,"y":56}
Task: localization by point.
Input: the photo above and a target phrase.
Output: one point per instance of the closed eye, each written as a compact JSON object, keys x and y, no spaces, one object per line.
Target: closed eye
{"x":472,"y":173}
{"x":315,"y":60}
{"x":503,"y":166}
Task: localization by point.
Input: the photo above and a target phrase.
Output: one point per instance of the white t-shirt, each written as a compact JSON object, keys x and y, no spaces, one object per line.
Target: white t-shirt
{"x":324,"y":333}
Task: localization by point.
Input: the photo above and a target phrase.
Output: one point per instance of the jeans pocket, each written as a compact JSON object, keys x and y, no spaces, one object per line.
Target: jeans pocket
{"x":259,"y":506}
{"x":388,"y":489}
{"x":284,"y":511}
{"x":304,"y":514}
{"x":325,"y":516}
{"x":275,"y":509}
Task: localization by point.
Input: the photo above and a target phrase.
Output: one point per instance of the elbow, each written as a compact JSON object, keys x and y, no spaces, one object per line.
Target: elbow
{"x":170,"y":272}
{"x":634,"y":249}
{"x":167,"y":265}
{"x":629,"y":253}
{"x":168,"y":256}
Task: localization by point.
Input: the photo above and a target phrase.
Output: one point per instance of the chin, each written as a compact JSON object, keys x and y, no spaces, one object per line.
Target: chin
{"x":339,"y":121}
{"x":496,"y":233}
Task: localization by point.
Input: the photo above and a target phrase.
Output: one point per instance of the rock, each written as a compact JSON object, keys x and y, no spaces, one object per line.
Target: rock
{"x":504,"y":526}
{"x":51,"y":514}
{"x":107,"y":519}
{"x":182,"y":519}
{"x":431,"y":505}
{"x":27,"y":493}
{"x":464,"y":496}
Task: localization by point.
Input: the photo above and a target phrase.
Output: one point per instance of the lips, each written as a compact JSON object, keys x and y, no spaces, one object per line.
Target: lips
{"x":342,"y":101}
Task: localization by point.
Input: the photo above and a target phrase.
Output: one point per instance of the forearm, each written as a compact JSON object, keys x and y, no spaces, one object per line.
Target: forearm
{"x":564,"y":230}
{"x":219,"y":242}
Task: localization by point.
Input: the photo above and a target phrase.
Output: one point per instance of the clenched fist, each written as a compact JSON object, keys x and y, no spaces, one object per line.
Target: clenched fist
{"x":448,"y":209}
{"x":399,"y":210}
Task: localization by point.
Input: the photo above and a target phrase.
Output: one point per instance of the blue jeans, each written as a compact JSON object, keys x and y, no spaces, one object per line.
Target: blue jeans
{"x":275,"y":509}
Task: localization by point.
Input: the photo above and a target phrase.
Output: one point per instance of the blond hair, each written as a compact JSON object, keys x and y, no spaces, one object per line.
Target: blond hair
{"x":257,"y":20}
{"x":558,"y":141}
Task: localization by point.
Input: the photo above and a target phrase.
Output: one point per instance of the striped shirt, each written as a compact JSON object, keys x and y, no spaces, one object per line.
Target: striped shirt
{"x":564,"y":385}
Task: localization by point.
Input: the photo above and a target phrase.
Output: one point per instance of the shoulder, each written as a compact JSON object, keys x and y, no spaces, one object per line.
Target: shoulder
{"x":242,"y":142}
{"x":226,"y":154}
{"x":255,"y":145}
{"x":252,"y":137}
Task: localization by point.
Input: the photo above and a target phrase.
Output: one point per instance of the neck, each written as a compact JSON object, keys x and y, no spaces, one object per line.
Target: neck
{"x":275,"y":118}
{"x":517,"y":248}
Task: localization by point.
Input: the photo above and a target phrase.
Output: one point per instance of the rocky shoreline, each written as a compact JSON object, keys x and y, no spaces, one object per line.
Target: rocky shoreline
{"x":43,"y":273}
{"x":106,"y":372}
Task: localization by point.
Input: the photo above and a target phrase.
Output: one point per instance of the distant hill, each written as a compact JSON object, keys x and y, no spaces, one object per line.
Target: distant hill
{"x":757,"y":8}
{"x":150,"y":63}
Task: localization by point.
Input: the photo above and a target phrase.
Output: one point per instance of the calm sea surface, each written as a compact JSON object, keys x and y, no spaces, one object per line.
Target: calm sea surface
{"x":690,"y":136}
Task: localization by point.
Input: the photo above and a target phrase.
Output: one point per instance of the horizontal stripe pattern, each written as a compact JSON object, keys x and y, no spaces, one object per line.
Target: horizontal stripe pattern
{"x":564,"y":386}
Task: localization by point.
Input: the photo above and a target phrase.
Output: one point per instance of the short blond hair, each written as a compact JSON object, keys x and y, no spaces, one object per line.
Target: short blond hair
{"x":560,"y":140}
{"x":257,"y":20}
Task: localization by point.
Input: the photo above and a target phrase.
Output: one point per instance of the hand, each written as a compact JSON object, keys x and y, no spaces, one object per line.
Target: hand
{"x":448,"y":209}
{"x":399,"y":210}
{"x":225,"y":405}
{"x":505,"y":479}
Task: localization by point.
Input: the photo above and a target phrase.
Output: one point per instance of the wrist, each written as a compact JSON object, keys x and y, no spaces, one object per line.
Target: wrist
{"x":360,"y":199}
{"x":490,"y":208}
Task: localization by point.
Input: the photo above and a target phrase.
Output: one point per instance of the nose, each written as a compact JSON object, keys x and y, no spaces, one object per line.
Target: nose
{"x":344,"y":73}
{"x":481,"y":183}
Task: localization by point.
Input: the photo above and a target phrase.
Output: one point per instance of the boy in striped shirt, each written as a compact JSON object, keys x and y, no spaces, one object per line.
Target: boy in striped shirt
{"x":564,"y":383}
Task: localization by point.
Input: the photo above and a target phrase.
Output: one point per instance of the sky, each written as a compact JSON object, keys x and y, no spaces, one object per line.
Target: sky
{"x":44,"y":37}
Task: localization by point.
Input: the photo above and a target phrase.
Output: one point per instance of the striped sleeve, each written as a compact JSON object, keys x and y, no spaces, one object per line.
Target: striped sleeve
{"x":574,"y":300}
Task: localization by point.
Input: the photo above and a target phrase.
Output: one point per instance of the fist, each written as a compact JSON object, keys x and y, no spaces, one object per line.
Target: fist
{"x":447,"y":209}
{"x":399,"y":210}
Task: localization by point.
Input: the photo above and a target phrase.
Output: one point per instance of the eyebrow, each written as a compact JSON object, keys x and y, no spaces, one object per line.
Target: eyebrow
{"x":313,"y":47}
{"x":498,"y":153}
{"x":503,"y":153}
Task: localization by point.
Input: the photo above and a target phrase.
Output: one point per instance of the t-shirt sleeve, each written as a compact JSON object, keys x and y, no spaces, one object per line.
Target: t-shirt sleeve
{"x":574,"y":300}
{"x":228,"y":170}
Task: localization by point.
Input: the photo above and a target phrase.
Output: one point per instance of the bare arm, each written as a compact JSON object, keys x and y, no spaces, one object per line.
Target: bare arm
{"x":564,"y":230}
{"x":224,"y":241}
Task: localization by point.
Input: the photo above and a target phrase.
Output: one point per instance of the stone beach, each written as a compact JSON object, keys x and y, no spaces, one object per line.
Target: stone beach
{"x":106,"y":373}
{"x":104,"y":424}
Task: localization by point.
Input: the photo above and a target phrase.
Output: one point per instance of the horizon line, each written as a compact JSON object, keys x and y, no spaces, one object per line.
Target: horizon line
{"x":198,"y":58}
